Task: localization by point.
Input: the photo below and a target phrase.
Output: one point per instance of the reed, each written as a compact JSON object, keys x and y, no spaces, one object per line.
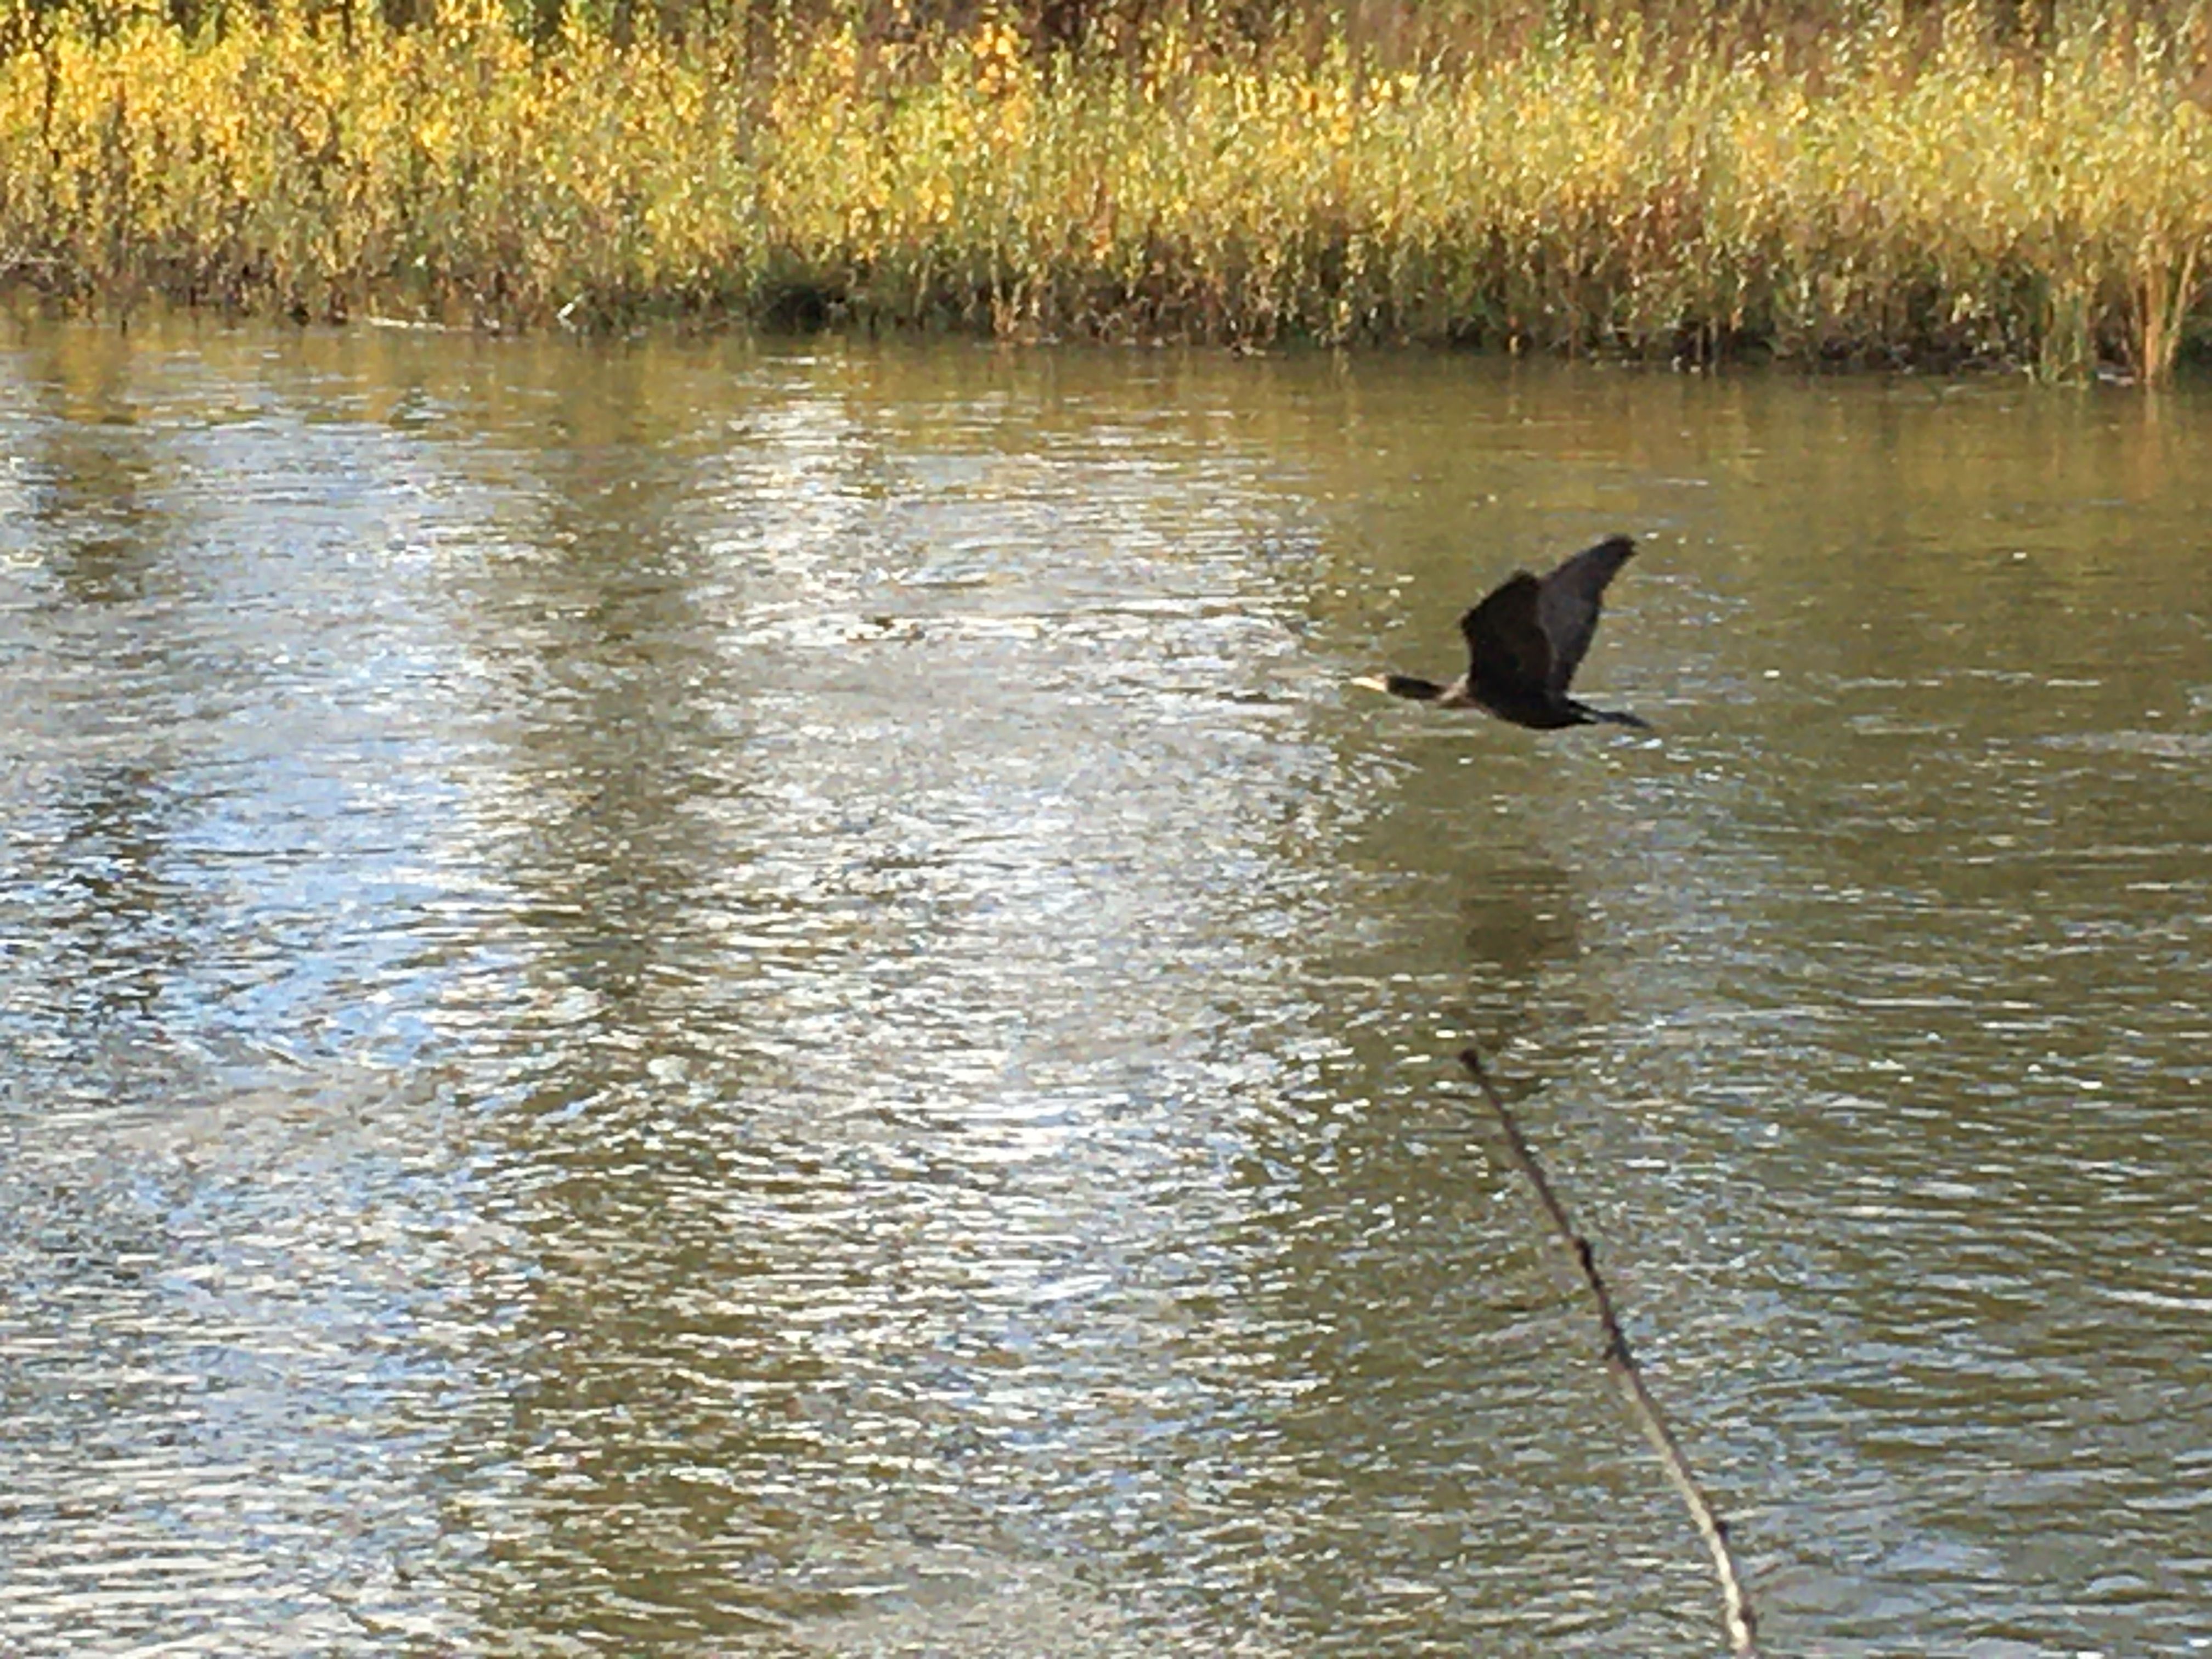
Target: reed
{"x":1894,"y":184}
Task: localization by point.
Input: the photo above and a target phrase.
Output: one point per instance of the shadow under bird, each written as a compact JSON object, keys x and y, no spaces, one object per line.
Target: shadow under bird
{"x":1524,"y":643}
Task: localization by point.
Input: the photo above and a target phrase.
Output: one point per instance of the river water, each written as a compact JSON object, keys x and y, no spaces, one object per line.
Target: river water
{"x":714,"y":999}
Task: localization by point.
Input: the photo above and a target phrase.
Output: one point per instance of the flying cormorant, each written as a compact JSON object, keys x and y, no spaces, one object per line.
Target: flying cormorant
{"x":1524,"y":643}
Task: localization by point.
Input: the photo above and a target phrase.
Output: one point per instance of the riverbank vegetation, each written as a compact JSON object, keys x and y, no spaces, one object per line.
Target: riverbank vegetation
{"x":1883,"y":181}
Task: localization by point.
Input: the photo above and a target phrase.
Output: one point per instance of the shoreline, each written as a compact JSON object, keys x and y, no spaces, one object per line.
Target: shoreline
{"x":1942,"y":207}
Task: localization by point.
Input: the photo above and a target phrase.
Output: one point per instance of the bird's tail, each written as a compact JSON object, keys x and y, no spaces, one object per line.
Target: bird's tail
{"x":1611,"y":716}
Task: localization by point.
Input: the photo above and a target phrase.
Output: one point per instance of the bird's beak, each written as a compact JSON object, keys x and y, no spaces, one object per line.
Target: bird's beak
{"x":1373,"y":683}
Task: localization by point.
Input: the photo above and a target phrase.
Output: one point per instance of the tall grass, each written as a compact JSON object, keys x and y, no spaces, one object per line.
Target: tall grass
{"x":1907,"y":186}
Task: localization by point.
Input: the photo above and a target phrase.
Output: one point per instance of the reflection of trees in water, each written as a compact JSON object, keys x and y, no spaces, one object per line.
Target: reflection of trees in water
{"x":1517,"y":924}
{"x":85,"y":702}
{"x":606,"y":624}
{"x":98,"y":493}
{"x":115,"y":933}
{"x":625,"y":809}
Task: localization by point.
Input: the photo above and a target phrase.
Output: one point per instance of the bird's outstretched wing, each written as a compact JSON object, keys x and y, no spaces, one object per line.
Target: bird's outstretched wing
{"x":1508,"y":654}
{"x":1568,"y":602}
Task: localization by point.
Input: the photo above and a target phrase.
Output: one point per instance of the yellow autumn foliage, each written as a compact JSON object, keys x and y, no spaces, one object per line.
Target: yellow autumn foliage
{"x":1910,"y":194}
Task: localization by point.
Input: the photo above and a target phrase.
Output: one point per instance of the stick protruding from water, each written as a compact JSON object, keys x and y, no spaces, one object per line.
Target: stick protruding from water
{"x":1735,"y":1607}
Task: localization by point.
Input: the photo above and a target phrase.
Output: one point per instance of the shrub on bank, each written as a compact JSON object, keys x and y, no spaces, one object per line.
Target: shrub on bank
{"x":1878,"y":192}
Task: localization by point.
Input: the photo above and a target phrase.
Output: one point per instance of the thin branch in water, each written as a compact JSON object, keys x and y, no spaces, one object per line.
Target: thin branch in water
{"x":1734,"y":1605}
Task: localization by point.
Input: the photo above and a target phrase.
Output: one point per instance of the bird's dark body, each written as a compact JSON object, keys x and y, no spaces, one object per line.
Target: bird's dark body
{"x":1524,"y":643}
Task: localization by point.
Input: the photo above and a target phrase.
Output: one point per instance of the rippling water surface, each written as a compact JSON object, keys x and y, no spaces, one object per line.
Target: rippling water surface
{"x":699,"y":999}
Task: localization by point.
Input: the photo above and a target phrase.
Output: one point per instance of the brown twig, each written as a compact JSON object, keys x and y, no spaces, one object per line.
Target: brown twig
{"x":1735,"y":1606}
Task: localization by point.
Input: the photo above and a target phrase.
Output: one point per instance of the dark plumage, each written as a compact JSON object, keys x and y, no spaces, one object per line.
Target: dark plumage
{"x":1524,"y":643}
